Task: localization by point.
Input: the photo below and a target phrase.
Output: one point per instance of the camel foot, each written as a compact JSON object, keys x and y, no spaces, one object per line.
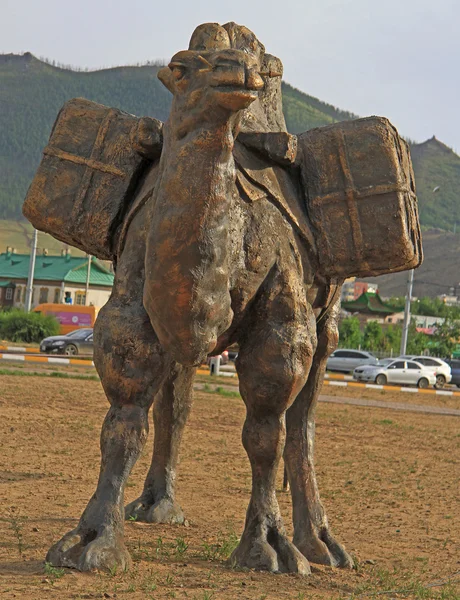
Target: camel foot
{"x":164,"y":511}
{"x":269,"y":550}
{"x":88,"y":551}
{"x":324,"y":549}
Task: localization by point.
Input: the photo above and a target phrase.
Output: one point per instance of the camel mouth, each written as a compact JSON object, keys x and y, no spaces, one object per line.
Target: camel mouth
{"x":236,"y":90}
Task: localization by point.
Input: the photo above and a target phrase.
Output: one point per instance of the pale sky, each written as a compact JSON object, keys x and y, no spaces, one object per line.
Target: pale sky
{"x":395,"y":58}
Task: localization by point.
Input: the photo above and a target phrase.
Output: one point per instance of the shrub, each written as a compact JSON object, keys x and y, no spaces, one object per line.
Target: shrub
{"x":19,"y":326}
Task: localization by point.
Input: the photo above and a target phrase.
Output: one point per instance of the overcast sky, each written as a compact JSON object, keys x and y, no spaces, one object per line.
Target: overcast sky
{"x":396,"y":58}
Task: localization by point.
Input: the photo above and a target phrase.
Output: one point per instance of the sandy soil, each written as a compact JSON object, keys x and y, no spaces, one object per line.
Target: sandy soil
{"x":389,"y":481}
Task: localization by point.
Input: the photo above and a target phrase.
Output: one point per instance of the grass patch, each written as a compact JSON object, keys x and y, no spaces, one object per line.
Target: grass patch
{"x":58,"y":374}
{"x":53,"y":573}
{"x":227,"y":393}
{"x":221,"y":549}
{"x":396,"y":584}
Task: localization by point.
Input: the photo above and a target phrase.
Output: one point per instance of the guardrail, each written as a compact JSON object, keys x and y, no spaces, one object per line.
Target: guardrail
{"x":55,"y":360}
{"x":19,"y":349}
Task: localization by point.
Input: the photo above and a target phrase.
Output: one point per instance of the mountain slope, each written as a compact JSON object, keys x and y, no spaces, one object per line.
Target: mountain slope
{"x":439,"y":273}
{"x":31,"y":94}
{"x":33,"y":91}
{"x":437,"y":178}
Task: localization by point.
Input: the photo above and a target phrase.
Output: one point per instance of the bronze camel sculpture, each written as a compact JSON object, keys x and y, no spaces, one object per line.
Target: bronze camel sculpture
{"x":218,"y":248}
{"x":202,"y":266}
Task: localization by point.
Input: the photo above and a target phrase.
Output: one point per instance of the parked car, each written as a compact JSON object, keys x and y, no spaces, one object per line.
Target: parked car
{"x":403,"y":372}
{"x":347,"y":360}
{"x":439,"y":367}
{"x":79,"y":341}
{"x":383,"y":362}
{"x":454,"y":364}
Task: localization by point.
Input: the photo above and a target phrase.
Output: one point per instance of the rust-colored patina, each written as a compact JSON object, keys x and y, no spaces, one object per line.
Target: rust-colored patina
{"x":224,"y":228}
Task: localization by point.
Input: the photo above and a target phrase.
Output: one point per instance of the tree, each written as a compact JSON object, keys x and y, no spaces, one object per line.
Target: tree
{"x":349,"y":333}
{"x":373,"y":335}
{"x":391,"y":341}
{"x":416,"y":342}
{"x":446,"y":338}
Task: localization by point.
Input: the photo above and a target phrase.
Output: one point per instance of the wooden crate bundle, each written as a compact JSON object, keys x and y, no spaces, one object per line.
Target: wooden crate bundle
{"x":360,"y":198}
{"x":88,"y":174}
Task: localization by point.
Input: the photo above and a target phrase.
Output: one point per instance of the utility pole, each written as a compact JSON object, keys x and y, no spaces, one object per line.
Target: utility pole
{"x":88,"y":274}
{"x":410,"y":283}
{"x":30,"y":278}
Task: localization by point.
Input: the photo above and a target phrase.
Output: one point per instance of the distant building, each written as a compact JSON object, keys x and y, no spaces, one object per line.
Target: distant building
{"x":54,"y":278}
{"x":449,"y":300}
{"x":352,"y":289}
{"x":426,"y":322}
{"x":370,"y":307}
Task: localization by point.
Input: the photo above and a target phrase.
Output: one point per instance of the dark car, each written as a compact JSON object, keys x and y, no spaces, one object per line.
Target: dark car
{"x":454,"y":364}
{"x":79,"y":341}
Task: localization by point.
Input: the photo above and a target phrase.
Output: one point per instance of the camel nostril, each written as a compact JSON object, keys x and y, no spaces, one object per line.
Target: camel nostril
{"x":254,"y":81}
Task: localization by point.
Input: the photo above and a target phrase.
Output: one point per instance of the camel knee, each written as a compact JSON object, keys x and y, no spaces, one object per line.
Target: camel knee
{"x":272,"y":374}
{"x":126,"y":424}
{"x":127,"y":354}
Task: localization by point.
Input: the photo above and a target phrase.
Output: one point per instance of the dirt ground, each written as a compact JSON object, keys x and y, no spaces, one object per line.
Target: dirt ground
{"x":389,"y":481}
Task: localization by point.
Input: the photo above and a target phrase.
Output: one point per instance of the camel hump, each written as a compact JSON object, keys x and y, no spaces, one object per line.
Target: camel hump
{"x":209,"y":36}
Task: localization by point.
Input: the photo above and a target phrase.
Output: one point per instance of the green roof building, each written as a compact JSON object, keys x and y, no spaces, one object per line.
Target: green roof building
{"x":55,"y":277}
{"x":370,"y":307}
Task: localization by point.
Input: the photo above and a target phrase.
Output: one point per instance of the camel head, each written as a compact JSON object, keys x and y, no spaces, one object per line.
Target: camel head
{"x":213,"y":80}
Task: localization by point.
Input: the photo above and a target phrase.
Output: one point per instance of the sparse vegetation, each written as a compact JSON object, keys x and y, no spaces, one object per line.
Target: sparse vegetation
{"x":53,"y":573}
{"x":17,"y":526}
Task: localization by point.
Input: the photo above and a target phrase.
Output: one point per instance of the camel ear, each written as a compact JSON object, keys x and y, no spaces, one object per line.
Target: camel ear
{"x":167,"y":79}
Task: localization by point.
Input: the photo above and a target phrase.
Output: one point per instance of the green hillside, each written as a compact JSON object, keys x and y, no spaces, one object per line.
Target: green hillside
{"x":437,"y":177}
{"x":31,"y":94}
{"x":33,"y":91}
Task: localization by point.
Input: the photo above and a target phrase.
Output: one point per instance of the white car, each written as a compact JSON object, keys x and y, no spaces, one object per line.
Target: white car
{"x":403,"y":372}
{"x":383,"y":362}
{"x":437,"y":366}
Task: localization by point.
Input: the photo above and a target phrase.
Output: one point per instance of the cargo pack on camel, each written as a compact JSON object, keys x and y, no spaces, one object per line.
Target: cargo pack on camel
{"x":224,"y":229}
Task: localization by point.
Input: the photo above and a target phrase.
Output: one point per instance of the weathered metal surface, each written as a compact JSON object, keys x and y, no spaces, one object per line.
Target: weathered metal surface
{"x":88,"y":173}
{"x":217,"y":247}
{"x":359,"y":192}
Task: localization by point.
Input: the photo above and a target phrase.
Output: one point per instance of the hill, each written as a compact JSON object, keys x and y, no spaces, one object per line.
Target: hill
{"x":439,"y":272}
{"x":32,"y":92}
{"x":437,"y":178}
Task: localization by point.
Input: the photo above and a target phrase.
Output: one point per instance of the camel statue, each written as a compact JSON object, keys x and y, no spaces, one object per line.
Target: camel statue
{"x":217,"y":248}
{"x":211,"y":259}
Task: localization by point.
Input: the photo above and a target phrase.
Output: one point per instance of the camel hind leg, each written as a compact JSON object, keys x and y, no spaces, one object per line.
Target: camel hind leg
{"x":157,"y":503}
{"x":312,"y":535}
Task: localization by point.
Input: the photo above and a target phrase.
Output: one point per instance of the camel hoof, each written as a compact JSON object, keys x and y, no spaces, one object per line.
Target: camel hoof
{"x":274,"y":553}
{"x":324,"y":550}
{"x":164,"y":511}
{"x":104,"y":552}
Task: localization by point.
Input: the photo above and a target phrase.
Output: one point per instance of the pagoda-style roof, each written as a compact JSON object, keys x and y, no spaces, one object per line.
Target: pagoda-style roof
{"x":370,"y":303}
{"x":71,"y":269}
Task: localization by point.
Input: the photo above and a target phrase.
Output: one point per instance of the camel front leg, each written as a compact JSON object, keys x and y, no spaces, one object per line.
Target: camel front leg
{"x":312,"y":535}
{"x":272,"y":365}
{"x":157,"y":503}
{"x":132,"y":367}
